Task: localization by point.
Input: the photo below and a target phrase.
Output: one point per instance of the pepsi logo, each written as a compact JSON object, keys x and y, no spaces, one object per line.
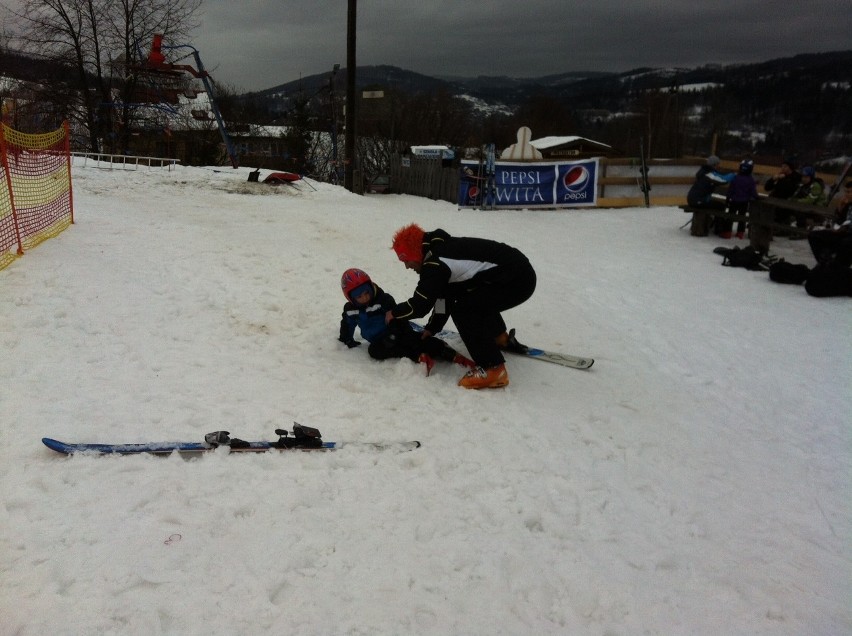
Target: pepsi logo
{"x":576,"y":178}
{"x":473,"y":192}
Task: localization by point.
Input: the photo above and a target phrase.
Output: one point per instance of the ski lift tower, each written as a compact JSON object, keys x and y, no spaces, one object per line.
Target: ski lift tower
{"x":156,"y":63}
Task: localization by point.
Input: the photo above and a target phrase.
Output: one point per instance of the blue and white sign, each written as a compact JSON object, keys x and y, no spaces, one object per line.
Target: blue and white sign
{"x":433,"y":152}
{"x":528,"y":185}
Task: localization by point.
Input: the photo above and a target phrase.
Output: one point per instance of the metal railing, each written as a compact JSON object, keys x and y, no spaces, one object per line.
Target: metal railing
{"x":123,"y":162}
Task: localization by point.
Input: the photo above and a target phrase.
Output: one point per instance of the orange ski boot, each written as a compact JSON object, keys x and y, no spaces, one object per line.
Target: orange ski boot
{"x":479,"y":378}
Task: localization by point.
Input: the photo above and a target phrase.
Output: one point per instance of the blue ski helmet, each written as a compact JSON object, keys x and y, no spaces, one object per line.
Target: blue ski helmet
{"x":746,"y":166}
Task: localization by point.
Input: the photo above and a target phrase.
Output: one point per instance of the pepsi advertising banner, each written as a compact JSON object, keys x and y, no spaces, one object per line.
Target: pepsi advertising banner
{"x":561,"y":184}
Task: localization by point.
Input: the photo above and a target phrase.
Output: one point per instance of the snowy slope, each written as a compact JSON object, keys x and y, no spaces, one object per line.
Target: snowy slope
{"x":694,"y":481}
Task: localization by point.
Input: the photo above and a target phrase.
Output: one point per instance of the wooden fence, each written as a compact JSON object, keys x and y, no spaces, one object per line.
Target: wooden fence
{"x":618,"y":181}
{"x":424,"y":177}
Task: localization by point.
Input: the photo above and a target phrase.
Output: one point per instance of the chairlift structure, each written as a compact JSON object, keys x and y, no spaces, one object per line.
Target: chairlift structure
{"x":156,"y":64}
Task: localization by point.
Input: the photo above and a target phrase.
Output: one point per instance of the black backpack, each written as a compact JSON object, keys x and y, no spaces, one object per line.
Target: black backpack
{"x":788,"y":273}
{"x":825,"y":281}
{"x":747,"y":257}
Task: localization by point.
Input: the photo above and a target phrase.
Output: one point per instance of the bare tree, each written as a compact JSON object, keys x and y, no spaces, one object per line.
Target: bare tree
{"x":106,"y":43}
{"x":395,"y":121}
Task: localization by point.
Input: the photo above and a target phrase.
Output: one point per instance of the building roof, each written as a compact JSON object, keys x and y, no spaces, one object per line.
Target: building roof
{"x":551,"y":142}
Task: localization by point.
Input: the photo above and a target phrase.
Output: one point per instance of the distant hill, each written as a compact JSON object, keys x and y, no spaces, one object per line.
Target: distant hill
{"x":792,"y":105}
{"x":32,"y":68}
{"x":798,"y":105}
{"x":496,"y":90}
{"x":384,"y":76}
{"x":822,"y":67}
{"x":791,"y":76}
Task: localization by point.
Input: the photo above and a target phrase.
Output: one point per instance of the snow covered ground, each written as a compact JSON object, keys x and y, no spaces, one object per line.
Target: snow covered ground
{"x":694,"y":481}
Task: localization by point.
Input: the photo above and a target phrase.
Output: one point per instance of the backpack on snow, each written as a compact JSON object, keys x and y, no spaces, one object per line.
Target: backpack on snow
{"x":825,"y":281}
{"x":788,"y":273}
{"x":747,"y":257}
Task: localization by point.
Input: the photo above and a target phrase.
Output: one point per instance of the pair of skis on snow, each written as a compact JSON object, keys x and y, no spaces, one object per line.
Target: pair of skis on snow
{"x":302,"y":438}
{"x":516,"y":348}
{"x":563,"y":359}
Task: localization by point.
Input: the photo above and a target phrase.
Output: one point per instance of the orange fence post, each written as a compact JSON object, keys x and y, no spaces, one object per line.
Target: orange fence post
{"x":8,"y":218}
{"x":67,"y":129}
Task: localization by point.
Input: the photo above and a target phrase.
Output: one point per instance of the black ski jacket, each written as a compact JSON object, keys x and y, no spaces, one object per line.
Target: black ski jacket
{"x":452,"y":267}
{"x":783,"y":188}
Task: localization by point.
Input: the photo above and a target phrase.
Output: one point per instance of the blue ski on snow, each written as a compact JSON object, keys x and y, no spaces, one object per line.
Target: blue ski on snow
{"x":304,"y":438}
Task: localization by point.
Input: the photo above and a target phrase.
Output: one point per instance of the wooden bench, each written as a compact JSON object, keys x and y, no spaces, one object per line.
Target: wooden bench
{"x":763,"y":213}
{"x":760,"y":219}
{"x":702,"y":217}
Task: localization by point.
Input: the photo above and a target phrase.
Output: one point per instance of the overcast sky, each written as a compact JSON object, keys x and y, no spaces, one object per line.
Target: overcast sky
{"x":257,"y":44}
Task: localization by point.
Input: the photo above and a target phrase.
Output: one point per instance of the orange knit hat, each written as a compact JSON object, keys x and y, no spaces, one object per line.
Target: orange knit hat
{"x":408,"y":243}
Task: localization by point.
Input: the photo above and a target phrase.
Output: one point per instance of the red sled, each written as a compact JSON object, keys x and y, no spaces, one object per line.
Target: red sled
{"x":277,"y":178}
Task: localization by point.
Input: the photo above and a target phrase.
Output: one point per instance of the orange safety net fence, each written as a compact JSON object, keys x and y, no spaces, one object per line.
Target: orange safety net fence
{"x":36,"y":201}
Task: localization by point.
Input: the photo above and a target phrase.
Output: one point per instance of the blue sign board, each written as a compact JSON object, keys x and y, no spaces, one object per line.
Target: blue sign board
{"x":528,"y":185}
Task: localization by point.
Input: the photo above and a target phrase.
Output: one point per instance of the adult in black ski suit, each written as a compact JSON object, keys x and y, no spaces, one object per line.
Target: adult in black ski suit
{"x":785,"y":182}
{"x":707,"y":179}
{"x":470,"y":279}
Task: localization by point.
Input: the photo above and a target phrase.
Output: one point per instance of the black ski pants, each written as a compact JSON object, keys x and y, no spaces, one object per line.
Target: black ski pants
{"x":476,"y":311}
{"x":401,"y":341}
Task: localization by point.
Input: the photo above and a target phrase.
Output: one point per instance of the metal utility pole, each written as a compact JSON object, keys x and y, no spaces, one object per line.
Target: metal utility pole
{"x":335,"y":168}
{"x":348,"y":178}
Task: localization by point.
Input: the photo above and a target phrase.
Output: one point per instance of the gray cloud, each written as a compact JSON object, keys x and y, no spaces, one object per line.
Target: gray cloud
{"x":257,"y":44}
{"x":254,"y":45}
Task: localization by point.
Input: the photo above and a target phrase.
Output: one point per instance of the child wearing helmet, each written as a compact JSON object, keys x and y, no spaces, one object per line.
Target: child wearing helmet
{"x":472,"y":281}
{"x":741,"y":192}
{"x":811,"y":189}
{"x":365,"y":309}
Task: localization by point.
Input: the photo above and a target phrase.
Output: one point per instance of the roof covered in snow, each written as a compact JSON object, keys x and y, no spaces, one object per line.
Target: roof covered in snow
{"x":552,"y":142}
